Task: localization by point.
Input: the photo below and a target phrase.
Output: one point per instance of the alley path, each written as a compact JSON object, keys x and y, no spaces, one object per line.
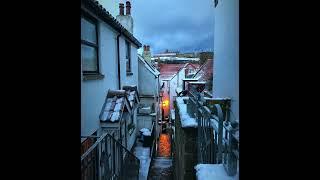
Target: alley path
{"x":161,"y":166}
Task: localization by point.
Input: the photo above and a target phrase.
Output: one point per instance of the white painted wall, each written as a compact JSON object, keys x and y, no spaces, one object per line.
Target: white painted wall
{"x":147,"y":81}
{"x":128,"y":79}
{"x":93,"y":92}
{"x":226,"y":53}
{"x":173,"y":86}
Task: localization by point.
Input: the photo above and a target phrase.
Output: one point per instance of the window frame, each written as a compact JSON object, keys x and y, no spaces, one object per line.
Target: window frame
{"x":94,"y":21}
{"x":128,"y":52}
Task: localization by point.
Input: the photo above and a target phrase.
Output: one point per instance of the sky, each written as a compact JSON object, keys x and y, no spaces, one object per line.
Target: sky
{"x":182,"y":25}
{"x":177,"y":25}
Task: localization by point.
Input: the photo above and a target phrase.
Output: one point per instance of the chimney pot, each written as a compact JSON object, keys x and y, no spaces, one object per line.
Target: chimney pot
{"x":121,"y":9}
{"x":128,"y":8}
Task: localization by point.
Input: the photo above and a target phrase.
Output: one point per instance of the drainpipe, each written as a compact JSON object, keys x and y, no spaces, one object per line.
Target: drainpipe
{"x":118,"y":52}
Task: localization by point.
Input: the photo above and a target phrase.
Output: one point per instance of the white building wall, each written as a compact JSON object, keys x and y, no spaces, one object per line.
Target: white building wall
{"x":173,"y":86}
{"x":93,"y":92}
{"x":226,"y":53}
{"x":147,"y":81}
{"x":128,"y":79}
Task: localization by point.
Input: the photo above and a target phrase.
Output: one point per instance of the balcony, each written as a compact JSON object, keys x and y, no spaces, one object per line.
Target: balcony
{"x":215,"y":134}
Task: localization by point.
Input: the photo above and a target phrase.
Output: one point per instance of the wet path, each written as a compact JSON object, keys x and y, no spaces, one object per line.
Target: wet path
{"x":161,"y":166}
{"x":164,"y":145}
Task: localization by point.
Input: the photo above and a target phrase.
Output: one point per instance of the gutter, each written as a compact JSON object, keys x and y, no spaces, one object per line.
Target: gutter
{"x":118,"y":56}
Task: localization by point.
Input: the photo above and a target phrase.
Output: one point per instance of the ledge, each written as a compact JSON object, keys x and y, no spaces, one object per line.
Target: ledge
{"x":92,"y":77}
{"x":129,"y":73}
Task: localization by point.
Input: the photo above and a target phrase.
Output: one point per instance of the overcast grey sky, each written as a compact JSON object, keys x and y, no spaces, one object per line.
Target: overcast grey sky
{"x":184,"y":25}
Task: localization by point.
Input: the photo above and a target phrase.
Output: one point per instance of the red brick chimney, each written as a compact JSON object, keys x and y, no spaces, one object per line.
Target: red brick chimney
{"x":128,"y":8}
{"x":121,"y":9}
{"x":144,"y":48}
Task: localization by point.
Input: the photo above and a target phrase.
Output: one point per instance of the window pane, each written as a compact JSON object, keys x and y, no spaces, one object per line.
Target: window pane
{"x":88,"y":31}
{"x":88,"y":58}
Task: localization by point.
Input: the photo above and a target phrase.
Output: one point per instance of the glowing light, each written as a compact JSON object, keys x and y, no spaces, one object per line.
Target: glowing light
{"x":165,"y":103}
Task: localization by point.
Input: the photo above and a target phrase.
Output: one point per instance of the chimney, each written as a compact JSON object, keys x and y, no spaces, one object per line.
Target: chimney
{"x":146,"y":53}
{"x":121,"y":9}
{"x":128,"y":8}
{"x":125,"y":20}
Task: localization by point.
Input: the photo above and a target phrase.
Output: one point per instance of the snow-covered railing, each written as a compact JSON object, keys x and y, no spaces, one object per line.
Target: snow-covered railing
{"x":218,"y":136}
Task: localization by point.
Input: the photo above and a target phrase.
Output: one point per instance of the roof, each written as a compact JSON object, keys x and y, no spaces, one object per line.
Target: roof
{"x":150,"y":67}
{"x":103,"y":14}
{"x":115,"y":104}
{"x":205,"y":72}
{"x":170,"y":58}
{"x":168,"y":71}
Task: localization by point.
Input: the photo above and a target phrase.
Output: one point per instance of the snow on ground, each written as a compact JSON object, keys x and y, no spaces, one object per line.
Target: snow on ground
{"x":212,"y":171}
{"x":186,"y":120}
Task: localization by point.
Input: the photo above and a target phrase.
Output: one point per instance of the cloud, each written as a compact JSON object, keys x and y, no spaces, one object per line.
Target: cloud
{"x":184,"y":25}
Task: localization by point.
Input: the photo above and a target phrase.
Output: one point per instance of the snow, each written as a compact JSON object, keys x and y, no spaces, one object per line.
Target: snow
{"x":131,"y":97}
{"x":173,"y":115}
{"x":176,"y":58}
{"x":145,"y":132}
{"x":178,"y":89}
{"x":119,"y":100}
{"x":186,"y":120}
{"x":117,"y":107}
{"x":212,"y":171}
{"x":153,"y":114}
{"x":115,"y":116}
{"x":144,"y":129}
{"x":108,"y":106}
{"x":105,"y":115}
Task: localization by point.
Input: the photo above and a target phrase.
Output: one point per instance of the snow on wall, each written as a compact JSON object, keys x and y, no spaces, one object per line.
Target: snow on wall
{"x":186,"y":120}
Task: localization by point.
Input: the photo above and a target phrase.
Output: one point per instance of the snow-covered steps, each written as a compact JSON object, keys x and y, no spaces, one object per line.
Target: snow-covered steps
{"x":213,"y":172}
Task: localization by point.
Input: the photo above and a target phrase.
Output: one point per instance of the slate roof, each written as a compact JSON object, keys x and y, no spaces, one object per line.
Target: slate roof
{"x":115,"y":104}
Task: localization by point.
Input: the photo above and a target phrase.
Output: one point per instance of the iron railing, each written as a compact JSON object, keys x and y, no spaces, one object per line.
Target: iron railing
{"x":108,"y":159}
{"x":218,"y":136}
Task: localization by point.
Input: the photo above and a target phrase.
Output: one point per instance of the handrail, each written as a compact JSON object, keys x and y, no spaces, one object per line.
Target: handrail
{"x":130,"y":153}
{"x":95,"y":161}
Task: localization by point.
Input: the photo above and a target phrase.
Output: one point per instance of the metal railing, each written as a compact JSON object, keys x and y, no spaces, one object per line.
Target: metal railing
{"x":218,"y":136}
{"x":108,"y":159}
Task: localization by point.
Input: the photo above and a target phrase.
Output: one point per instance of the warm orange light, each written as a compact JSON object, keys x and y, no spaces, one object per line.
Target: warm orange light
{"x":165,"y":103}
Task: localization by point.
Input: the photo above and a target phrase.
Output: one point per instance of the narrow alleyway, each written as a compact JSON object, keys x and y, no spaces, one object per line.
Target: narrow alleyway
{"x":161,"y":166}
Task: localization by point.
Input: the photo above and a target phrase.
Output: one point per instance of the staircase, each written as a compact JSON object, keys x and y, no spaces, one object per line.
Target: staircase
{"x":108,"y":159}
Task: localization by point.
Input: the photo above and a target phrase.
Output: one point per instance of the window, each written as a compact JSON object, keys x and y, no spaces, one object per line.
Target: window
{"x":128,"y":57}
{"x":89,"y":46}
